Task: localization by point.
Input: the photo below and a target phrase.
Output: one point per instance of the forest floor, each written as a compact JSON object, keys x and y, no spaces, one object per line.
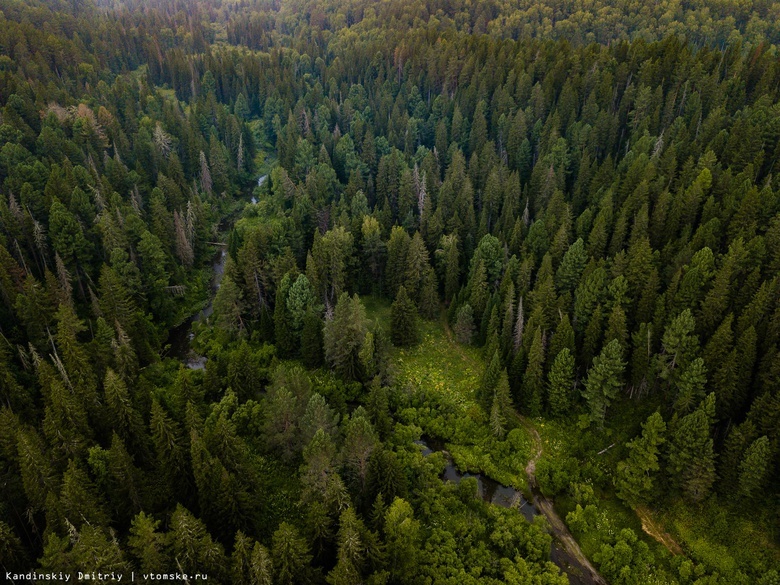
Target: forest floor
{"x":652,"y":527}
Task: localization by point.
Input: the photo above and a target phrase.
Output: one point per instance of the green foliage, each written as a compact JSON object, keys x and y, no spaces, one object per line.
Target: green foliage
{"x":604,"y":380}
{"x":344,"y":335}
{"x":403,"y":320}
{"x":636,"y":474}
{"x":561,"y":383}
{"x":586,"y":186}
{"x":691,"y":451}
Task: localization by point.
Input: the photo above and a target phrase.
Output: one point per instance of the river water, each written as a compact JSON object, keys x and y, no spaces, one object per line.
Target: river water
{"x":181,"y":336}
{"x":507,"y":497}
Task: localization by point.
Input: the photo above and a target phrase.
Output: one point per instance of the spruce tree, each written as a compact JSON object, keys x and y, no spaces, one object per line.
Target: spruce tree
{"x":691,"y":452}
{"x":291,"y":556}
{"x":604,"y":380}
{"x":464,"y":325}
{"x":344,"y":336}
{"x":501,"y":412}
{"x":561,"y":383}
{"x":403,"y":320}
{"x":533,"y":379}
{"x":636,"y":473}
{"x":755,"y":468}
{"x":311,"y":339}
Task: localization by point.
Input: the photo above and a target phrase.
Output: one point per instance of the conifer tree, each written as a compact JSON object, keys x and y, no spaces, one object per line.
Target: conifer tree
{"x":604,"y":380}
{"x":691,"y":452}
{"x":291,"y":556}
{"x":147,"y":544}
{"x":403,"y":320}
{"x":311,"y":339}
{"x":397,"y":252}
{"x":490,"y":379}
{"x":403,"y":535}
{"x":679,"y":347}
{"x":344,"y":335}
{"x":690,"y":387}
{"x":572,"y":265}
{"x":284,"y":332}
{"x":636,"y":473}
{"x":754,"y":468}
{"x":533,"y":380}
{"x":464,"y":325}
{"x":351,"y":550}
{"x":561,"y":383}
{"x":501,"y":412}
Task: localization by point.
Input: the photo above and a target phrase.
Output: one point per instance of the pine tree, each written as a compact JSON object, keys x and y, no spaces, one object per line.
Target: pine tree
{"x":561,"y":383}
{"x":403,"y":320}
{"x":636,"y":473}
{"x":604,"y":381}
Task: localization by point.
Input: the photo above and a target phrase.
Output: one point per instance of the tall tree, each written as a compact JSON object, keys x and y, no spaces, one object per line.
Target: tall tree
{"x":636,"y":474}
{"x":403,"y":320}
{"x":604,"y":380}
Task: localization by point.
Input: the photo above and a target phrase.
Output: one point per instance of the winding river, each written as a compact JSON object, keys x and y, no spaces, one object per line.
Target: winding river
{"x":180,"y":337}
{"x":571,"y":561}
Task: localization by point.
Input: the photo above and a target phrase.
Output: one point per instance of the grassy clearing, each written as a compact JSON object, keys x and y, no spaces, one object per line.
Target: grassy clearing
{"x":722,"y":538}
{"x":440,"y":379}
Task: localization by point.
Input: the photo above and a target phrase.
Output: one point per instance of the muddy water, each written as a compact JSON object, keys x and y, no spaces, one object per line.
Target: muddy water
{"x":507,"y":497}
{"x":180,"y":337}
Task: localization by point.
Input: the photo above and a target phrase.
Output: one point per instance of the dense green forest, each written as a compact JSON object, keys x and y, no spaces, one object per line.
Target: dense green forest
{"x":507,"y":231}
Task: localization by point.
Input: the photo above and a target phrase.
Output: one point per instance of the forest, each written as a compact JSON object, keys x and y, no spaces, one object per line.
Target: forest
{"x":295,"y":292}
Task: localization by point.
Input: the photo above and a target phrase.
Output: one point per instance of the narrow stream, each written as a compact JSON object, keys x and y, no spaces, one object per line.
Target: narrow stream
{"x":507,"y":497}
{"x":181,"y":336}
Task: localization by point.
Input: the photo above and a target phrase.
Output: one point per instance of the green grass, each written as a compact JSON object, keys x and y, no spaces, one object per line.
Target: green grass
{"x":723,"y":538}
{"x":444,"y":376}
{"x":440,"y":365}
